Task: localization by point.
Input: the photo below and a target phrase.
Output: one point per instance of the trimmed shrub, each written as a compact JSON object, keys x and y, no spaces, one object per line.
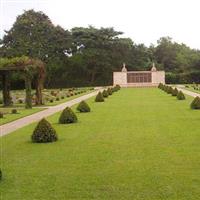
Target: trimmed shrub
{"x":62,"y":97}
{"x":109,"y":91}
{"x":51,"y":100}
{"x":105,"y":94}
{"x":14,"y":111}
{"x":1,"y":115}
{"x":67,"y":116}
{"x":180,"y":96}
{"x":195,"y":103}
{"x":169,"y":90}
{"x":118,"y":87}
{"x":99,"y":97}
{"x":44,"y":132}
{"x":0,"y":174}
{"x":83,"y":107}
{"x":57,"y":99}
{"x":160,"y":86}
{"x":165,"y":88}
{"x":174,"y":92}
{"x":113,"y":89}
{"x":20,"y":101}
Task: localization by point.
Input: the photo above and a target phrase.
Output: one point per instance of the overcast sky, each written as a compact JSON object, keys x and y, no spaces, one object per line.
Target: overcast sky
{"x":145,"y":21}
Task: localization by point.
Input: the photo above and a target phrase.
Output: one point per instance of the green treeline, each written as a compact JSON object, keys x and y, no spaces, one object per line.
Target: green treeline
{"x":88,"y":56}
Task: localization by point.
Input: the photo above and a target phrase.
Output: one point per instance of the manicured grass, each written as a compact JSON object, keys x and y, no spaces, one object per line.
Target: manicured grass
{"x":139,"y":144}
{"x":22,"y":112}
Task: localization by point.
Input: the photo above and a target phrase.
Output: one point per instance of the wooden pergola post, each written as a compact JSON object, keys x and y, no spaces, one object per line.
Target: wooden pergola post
{"x":6,"y":89}
{"x":28,"y":99}
{"x":39,"y":87}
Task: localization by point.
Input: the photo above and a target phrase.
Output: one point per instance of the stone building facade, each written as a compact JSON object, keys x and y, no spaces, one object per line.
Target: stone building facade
{"x":138,"y":78}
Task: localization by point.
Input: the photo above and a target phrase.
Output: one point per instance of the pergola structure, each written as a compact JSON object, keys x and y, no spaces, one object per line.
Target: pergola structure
{"x":29,"y":68}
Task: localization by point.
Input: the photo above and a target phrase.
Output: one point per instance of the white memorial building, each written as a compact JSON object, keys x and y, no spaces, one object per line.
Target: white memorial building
{"x":138,"y":78}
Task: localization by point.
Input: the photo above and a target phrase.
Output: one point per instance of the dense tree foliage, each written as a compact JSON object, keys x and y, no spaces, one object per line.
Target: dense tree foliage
{"x":88,"y":56}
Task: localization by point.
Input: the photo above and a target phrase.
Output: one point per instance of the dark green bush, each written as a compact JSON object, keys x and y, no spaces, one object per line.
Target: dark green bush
{"x":67,"y":116}
{"x":114,"y":89}
{"x":0,"y":174}
{"x":14,"y":111}
{"x":44,"y":132}
{"x":169,"y":90}
{"x":51,"y":100}
{"x":109,"y":91}
{"x":62,"y":97}
{"x":1,"y":115}
{"x":118,"y":87}
{"x":174,"y":92}
{"x":83,"y":107}
{"x":57,"y":99}
{"x":99,"y":97}
{"x":105,"y":94}
{"x":160,"y":86}
{"x":20,"y":101}
{"x":165,"y":88}
{"x":195,"y":103}
{"x":180,"y":96}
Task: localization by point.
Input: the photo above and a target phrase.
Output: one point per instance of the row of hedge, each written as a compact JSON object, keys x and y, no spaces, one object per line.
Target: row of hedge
{"x":44,"y":132}
{"x":106,"y":93}
{"x":195,"y":104}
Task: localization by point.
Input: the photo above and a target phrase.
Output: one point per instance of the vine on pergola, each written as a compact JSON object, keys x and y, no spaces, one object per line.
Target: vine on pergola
{"x":29,"y":68}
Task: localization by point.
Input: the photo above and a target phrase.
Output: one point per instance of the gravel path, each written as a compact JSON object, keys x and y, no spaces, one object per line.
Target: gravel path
{"x":12,"y":126}
{"x":190,"y":93}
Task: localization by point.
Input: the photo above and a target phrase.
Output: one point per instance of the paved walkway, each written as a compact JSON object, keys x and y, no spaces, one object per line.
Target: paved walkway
{"x":12,"y":126}
{"x":190,"y":93}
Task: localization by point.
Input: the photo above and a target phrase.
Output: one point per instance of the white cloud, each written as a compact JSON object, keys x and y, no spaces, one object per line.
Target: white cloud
{"x":145,"y":21}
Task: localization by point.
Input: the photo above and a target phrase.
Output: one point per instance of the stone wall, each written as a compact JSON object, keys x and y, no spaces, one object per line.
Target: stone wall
{"x":158,"y":77}
{"x":120,"y":78}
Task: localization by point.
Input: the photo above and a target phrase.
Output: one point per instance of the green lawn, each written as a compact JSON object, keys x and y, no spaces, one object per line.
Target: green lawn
{"x":22,"y":112}
{"x":139,"y":144}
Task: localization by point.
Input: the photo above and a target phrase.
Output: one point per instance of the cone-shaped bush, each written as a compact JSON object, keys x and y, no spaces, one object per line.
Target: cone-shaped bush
{"x":169,"y":90}
{"x":180,"y":96}
{"x":83,"y":107}
{"x":105,"y":94}
{"x":109,"y":91}
{"x":160,"y":86}
{"x":174,"y":92}
{"x":1,"y":115}
{"x":99,"y":97}
{"x":0,"y":174}
{"x":44,"y":132}
{"x":166,"y":88}
{"x":195,"y":103}
{"x":67,"y":116}
{"x":113,"y":89}
{"x":118,"y":87}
